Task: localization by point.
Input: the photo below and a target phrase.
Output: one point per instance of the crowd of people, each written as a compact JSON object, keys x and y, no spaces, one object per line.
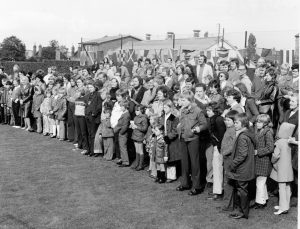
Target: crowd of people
{"x":212,"y":127}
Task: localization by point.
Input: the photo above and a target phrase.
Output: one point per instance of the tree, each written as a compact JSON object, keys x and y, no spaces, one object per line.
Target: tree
{"x":48,"y":53}
{"x":251,"y":48}
{"x":54,"y":44}
{"x":13,"y":48}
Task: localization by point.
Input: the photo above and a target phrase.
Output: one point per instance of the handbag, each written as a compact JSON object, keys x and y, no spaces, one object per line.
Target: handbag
{"x":264,"y":109}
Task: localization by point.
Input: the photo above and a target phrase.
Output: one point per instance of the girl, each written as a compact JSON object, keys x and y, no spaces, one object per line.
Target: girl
{"x":106,"y":133}
{"x":52,"y":116}
{"x":214,"y":91}
{"x":265,"y":147}
{"x":26,"y":101}
{"x":217,"y":130}
{"x":161,"y":153}
{"x":38,"y":98}
{"x":60,"y":110}
{"x":45,"y":109}
{"x":139,"y":126}
{"x":170,"y":122}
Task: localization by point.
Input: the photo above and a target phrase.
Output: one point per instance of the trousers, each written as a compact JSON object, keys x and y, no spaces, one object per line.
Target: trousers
{"x":284,"y":196}
{"x":242,"y":193}
{"x":123,"y":148}
{"x":217,"y":171}
{"x":92,"y":127}
{"x":261,"y":190}
{"x":209,"y":153}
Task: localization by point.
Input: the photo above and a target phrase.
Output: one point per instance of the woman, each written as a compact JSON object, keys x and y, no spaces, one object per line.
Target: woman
{"x":114,"y":87}
{"x":26,"y":101}
{"x":179,"y":73}
{"x":71,"y":96}
{"x":267,"y":103}
{"x":214,"y":91}
{"x":223,"y":79}
{"x":158,"y":105}
{"x":248,"y":103}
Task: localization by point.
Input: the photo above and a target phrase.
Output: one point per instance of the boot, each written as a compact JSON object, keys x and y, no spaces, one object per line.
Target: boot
{"x":141,"y":163}
{"x":162,"y":178}
{"x":135,"y":164}
{"x":157,"y":176}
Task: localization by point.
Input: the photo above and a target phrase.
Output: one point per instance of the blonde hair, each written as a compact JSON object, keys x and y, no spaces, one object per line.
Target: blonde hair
{"x":169,"y":103}
{"x":187,"y":95}
{"x":265,"y":119}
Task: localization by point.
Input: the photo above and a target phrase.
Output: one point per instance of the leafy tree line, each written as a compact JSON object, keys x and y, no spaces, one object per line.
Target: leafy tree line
{"x":13,"y":49}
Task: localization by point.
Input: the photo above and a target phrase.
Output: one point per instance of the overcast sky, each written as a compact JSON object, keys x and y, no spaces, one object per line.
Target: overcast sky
{"x":273,"y":22}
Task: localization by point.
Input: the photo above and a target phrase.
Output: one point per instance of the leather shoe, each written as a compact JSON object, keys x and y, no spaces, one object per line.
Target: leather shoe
{"x":181,"y":188}
{"x":96,"y":154}
{"x":237,"y":216}
{"x":119,"y":162}
{"x":279,"y":212}
{"x":123,"y":165}
{"x":194,"y":192}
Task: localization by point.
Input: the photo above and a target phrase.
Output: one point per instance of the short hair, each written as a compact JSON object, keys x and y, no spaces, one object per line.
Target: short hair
{"x":160,"y":80}
{"x":164,"y":90}
{"x":107,"y":110}
{"x":140,"y":108}
{"x":242,"y":117}
{"x":181,"y":68}
{"x":263,"y":66}
{"x":216,"y":107}
{"x":67,"y":76}
{"x":122,"y":92}
{"x":124,"y":104}
{"x":59,"y":81}
{"x":225,"y":73}
{"x":139,"y":79}
{"x":190,"y":80}
{"x":224,"y":62}
{"x":236,"y":61}
{"x":148,"y":59}
{"x":265,"y":119}
{"x":272,"y":72}
{"x":215,"y":84}
{"x":231,"y":114}
{"x":295,"y":66}
{"x":189,"y":95}
{"x":167,"y":70}
{"x":201,"y":85}
{"x":235,"y":94}
{"x":149,"y":79}
{"x":205,"y":58}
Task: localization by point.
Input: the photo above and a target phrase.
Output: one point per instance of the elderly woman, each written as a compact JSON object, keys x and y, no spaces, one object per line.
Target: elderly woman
{"x":267,"y":102}
{"x":26,"y":101}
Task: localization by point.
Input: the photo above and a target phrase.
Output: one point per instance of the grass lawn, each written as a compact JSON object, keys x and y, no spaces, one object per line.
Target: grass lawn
{"x":44,"y":184}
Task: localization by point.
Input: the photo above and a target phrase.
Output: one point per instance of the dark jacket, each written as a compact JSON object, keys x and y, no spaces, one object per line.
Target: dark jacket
{"x":190,"y":118}
{"x":171,"y":137}
{"x":251,"y":109}
{"x":242,"y":166}
{"x":105,"y":128}
{"x":93,"y":105}
{"x":123,"y":124}
{"x":269,"y":94}
{"x":136,"y":99}
{"x":217,"y":130}
{"x":141,"y":122}
{"x":265,"y":148}
{"x":27,"y":93}
{"x":160,"y":150}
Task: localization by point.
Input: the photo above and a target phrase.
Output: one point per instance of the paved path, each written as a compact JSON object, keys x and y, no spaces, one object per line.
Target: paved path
{"x":44,"y":184}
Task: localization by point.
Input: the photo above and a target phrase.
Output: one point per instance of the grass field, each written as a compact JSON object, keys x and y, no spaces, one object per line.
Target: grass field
{"x":44,"y":184}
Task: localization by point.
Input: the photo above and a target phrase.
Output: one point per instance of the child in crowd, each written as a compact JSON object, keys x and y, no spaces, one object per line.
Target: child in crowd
{"x":170,"y":122}
{"x":38,"y":98}
{"x":45,"y":110}
{"x":52,"y":116}
{"x":10,"y":116}
{"x":60,"y":110}
{"x":139,"y":126}
{"x":242,"y":165}
{"x":160,"y":150}
{"x":265,"y":147}
{"x":106,"y":133}
{"x":121,"y":129}
{"x":226,"y":151}
{"x":16,"y":103}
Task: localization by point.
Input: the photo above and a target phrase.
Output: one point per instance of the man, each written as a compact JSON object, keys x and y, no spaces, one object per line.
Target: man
{"x":244,"y":78}
{"x":155,"y":65}
{"x":234,"y":76}
{"x":202,"y":70}
{"x":137,"y":94}
{"x":259,"y":82}
{"x":295,"y":73}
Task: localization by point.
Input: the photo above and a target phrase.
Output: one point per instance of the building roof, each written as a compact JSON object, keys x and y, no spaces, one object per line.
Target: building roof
{"x":108,"y":39}
{"x":187,"y":43}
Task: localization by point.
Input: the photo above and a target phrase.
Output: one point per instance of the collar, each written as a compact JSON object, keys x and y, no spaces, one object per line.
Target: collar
{"x":233,"y":104}
{"x":243,"y":101}
{"x":237,"y":133}
{"x":167,"y":115}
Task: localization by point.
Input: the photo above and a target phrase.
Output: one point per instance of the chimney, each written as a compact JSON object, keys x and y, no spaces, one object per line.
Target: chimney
{"x":170,"y":35}
{"x":297,"y":48}
{"x":196,"y":33}
{"x":79,"y":49}
{"x":34,"y":50}
{"x":148,"y":37}
{"x":40,"y":51}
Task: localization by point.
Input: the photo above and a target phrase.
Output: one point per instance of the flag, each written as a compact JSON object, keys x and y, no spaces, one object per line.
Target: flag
{"x":265,"y":52}
{"x":146,"y":52}
{"x":215,"y":58}
{"x":158,"y":55}
{"x":131,"y":56}
{"x":223,"y":52}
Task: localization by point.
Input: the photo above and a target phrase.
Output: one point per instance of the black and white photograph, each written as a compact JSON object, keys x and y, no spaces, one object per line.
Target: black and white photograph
{"x":149,"y":114}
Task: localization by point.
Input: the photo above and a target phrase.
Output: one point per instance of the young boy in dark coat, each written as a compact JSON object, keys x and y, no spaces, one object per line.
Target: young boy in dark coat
{"x":122,"y":130}
{"x":242,"y":165}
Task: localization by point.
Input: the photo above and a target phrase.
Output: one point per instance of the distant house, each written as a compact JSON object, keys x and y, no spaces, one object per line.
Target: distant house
{"x":95,"y":50}
{"x":195,"y":45}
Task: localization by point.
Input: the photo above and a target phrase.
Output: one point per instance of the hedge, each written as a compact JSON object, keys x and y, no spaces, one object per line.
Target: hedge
{"x":62,"y":65}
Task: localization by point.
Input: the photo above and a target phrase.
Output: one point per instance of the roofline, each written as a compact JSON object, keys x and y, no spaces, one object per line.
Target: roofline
{"x":97,"y":43}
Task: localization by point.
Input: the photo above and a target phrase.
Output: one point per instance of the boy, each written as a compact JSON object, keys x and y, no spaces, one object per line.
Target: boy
{"x":122,"y":130}
{"x":241,"y":168}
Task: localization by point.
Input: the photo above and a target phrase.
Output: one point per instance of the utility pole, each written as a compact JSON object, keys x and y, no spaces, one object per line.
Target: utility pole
{"x":245,"y":39}
{"x":173,"y":40}
{"x":223,"y":38}
{"x":218,"y":33}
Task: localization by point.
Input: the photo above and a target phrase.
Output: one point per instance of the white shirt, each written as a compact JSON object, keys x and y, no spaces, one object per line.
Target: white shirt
{"x":165,"y":123}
